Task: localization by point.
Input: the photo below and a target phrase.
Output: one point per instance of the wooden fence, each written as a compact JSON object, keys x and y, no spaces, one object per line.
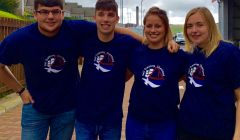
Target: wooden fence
{"x":7,"y":26}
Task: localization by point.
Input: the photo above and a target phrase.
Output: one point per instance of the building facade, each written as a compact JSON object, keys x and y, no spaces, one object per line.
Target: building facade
{"x":71,"y":9}
{"x":229,"y":20}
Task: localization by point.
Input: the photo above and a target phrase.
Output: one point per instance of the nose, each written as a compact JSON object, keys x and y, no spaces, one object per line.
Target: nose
{"x":50,"y":14}
{"x":105,"y":18}
{"x":194,"y":29}
{"x":152,"y":29}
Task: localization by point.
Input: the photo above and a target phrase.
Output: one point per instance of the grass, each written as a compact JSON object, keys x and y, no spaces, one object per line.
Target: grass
{"x":9,"y":15}
{"x":176,"y":28}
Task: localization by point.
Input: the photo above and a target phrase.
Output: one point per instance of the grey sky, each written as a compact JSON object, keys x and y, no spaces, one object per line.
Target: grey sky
{"x":176,"y":9}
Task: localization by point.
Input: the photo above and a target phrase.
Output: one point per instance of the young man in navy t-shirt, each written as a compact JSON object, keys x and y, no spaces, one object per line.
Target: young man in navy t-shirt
{"x":99,"y":106}
{"x":49,"y":54}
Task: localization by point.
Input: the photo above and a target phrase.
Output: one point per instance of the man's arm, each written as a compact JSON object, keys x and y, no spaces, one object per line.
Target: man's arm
{"x":237,"y":125}
{"x":11,"y":81}
{"x":127,"y":31}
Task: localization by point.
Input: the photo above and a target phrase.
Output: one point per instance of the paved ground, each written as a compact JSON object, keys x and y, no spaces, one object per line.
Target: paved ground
{"x":10,"y":115}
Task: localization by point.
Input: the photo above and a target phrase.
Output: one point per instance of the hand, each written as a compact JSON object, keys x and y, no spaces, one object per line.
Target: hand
{"x":173,"y":47}
{"x":236,"y":137}
{"x":145,"y":41}
{"x":26,"y":97}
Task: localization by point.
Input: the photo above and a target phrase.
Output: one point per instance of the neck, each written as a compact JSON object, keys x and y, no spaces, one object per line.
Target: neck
{"x":156,"y":46}
{"x":47,"y":33}
{"x":105,"y":37}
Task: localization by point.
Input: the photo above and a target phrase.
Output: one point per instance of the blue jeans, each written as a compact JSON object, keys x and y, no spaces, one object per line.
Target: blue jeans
{"x":138,"y":130}
{"x":86,"y":131}
{"x":35,"y":125}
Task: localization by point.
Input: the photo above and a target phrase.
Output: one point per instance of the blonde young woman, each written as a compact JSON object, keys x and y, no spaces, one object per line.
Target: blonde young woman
{"x":208,"y":111}
{"x":154,"y":97}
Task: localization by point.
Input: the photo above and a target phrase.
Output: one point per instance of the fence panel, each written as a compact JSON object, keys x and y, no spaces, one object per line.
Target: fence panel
{"x":7,"y":26}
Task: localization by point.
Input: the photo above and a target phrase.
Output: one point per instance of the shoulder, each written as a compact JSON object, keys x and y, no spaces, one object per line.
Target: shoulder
{"x":227,"y":52}
{"x":227,"y":48}
{"x":76,"y":24}
{"x":126,"y":39}
{"x":22,"y":33}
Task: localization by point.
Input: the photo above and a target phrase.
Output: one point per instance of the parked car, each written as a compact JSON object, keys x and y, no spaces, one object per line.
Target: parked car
{"x":179,"y":38}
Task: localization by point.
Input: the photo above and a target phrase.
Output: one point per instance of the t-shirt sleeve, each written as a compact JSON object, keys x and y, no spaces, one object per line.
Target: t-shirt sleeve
{"x":81,"y":31}
{"x":183,"y":59}
{"x":9,"y":52}
{"x":134,"y":44}
{"x":234,"y":67}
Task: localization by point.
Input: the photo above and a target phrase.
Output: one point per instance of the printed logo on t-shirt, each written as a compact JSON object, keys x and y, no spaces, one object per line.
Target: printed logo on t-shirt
{"x":153,"y":76}
{"x":103,"y":61}
{"x":196,"y":75}
{"x":54,"y":63}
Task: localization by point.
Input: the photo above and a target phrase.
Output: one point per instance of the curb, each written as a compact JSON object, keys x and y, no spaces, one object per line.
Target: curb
{"x":9,"y":102}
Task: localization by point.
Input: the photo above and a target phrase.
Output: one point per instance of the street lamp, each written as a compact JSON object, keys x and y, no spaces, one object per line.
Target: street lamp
{"x":141,"y":12}
{"x":121,"y":11}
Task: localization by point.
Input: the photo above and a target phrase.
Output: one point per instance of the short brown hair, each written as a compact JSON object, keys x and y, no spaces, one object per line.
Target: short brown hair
{"x":107,"y":5}
{"x":48,"y":3}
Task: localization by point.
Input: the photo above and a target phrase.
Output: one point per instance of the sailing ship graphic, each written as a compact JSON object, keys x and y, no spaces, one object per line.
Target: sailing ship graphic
{"x":153,"y":76}
{"x":104,"y":61}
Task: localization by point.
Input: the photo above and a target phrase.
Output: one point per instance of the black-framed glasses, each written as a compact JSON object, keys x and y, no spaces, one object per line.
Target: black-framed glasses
{"x":56,"y":12}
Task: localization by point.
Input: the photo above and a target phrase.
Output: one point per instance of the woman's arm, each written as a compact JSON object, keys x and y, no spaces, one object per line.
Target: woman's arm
{"x":129,"y":75}
{"x":237,"y":125}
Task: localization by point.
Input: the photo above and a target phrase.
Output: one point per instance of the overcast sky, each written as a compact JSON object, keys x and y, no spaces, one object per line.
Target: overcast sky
{"x":176,"y":9}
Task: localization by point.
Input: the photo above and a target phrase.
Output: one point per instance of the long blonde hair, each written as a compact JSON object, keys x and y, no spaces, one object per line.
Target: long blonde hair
{"x":214,"y":34}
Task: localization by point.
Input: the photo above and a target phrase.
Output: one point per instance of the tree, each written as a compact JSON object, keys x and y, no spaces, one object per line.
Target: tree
{"x":9,"y":5}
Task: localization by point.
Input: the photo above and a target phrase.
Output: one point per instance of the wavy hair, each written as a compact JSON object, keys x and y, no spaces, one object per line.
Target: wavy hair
{"x":163,"y":16}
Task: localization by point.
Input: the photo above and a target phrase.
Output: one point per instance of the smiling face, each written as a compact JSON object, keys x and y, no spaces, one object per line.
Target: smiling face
{"x":155,"y":30}
{"x":197,"y":30}
{"x":49,"y":19}
{"x":106,"y":21}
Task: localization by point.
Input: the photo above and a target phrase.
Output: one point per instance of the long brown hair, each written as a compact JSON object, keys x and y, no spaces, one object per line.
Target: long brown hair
{"x":163,"y":16}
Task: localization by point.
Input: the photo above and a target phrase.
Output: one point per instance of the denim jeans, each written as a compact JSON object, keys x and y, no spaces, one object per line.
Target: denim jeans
{"x":35,"y":125}
{"x":86,"y":131}
{"x":138,"y":130}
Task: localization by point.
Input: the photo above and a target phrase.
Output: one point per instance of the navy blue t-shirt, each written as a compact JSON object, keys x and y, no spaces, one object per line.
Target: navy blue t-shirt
{"x":208,"y":106}
{"x":103,"y":79}
{"x":155,"y":91}
{"x":50,"y":63}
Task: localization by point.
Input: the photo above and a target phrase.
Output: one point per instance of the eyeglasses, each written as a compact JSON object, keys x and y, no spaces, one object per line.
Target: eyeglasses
{"x":45,"y":13}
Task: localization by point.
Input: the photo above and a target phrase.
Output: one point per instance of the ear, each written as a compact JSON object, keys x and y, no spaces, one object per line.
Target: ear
{"x":117,"y":19}
{"x":94,"y":18}
{"x":62,"y":15}
{"x":35,"y":15}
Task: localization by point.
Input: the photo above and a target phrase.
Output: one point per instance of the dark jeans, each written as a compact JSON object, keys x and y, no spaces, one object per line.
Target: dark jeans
{"x":35,"y":125}
{"x":138,"y":130}
{"x":87,"y":131}
{"x":184,"y":135}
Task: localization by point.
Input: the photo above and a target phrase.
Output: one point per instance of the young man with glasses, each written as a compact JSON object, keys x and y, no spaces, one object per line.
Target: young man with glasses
{"x":49,"y":54}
